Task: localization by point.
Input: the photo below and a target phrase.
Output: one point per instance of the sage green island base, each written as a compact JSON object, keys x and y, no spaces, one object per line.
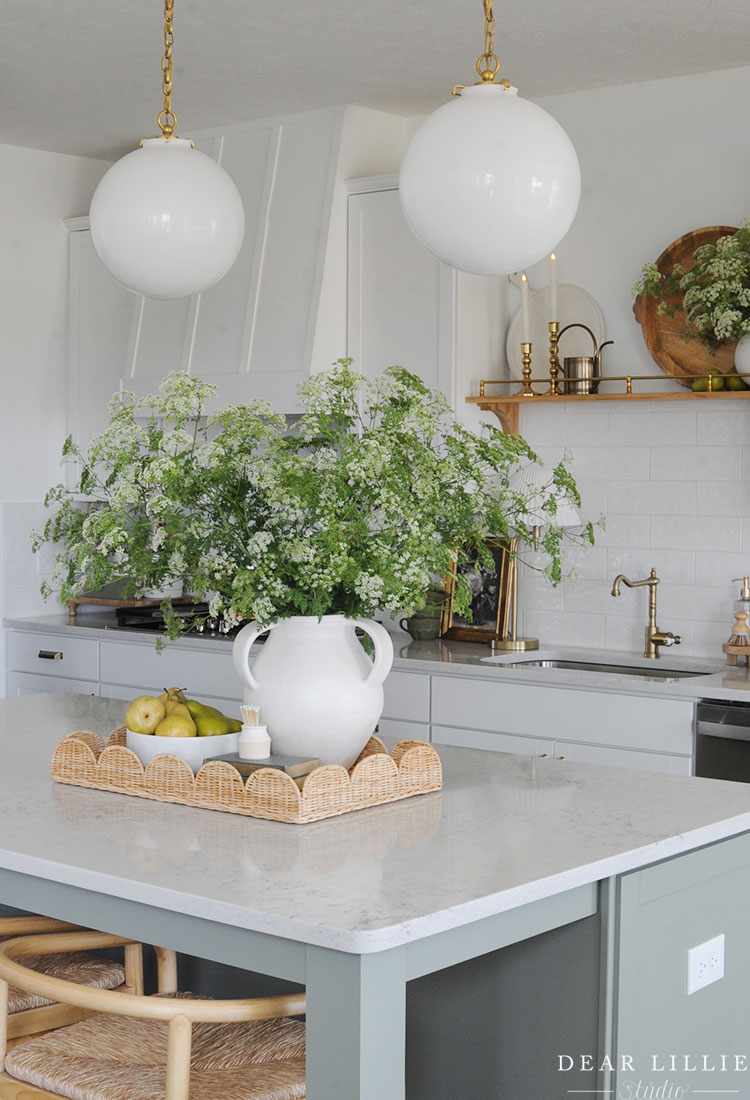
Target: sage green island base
{"x":522,"y":933}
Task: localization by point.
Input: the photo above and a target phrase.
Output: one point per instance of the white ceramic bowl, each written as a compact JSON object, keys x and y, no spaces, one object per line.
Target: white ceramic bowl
{"x":193,"y":750}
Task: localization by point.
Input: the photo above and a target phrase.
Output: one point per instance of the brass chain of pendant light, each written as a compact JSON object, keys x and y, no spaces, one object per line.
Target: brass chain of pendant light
{"x":488,"y":63}
{"x":167,"y":118}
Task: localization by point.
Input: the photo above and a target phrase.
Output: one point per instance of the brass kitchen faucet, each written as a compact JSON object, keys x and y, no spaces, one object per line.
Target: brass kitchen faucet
{"x":654,"y":636}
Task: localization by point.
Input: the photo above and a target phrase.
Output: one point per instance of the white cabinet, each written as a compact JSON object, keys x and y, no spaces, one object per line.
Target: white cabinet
{"x":587,"y":726}
{"x":100,"y":315}
{"x":401,"y":299}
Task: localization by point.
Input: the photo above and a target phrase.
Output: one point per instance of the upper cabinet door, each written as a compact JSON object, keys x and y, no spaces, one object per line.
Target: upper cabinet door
{"x":100,"y":314}
{"x":252,"y":334}
{"x":401,"y":299}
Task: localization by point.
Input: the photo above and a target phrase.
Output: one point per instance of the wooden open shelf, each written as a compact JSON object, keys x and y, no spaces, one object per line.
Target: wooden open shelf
{"x":506,"y":406}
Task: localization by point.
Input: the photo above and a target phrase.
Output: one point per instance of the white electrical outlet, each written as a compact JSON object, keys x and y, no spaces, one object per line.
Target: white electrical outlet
{"x":705,"y":964}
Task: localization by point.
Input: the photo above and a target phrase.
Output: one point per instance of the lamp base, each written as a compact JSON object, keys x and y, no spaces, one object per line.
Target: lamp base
{"x":515,"y":645}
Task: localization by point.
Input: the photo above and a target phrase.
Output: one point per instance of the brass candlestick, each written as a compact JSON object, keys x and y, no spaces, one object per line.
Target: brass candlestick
{"x":526,"y":390}
{"x":554,"y":363}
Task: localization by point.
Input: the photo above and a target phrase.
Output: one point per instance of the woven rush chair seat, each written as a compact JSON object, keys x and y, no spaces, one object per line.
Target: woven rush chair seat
{"x":79,"y":967}
{"x":132,"y":1047}
{"x":116,"y":1058}
{"x":31,"y":1013}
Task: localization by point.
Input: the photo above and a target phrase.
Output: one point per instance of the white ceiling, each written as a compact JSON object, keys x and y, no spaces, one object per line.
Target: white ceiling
{"x":83,"y":76}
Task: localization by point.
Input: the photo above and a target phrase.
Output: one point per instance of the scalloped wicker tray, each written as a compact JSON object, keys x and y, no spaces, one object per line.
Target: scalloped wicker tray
{"x":413,"y":767}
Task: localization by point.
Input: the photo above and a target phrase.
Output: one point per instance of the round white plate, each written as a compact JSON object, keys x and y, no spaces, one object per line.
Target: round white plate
{"x":193,"y":750}
{"x":573,"y":304}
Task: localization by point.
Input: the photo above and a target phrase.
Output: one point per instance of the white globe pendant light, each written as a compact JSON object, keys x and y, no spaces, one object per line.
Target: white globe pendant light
{"x":490,"y":182}
{"x":167,"y":220}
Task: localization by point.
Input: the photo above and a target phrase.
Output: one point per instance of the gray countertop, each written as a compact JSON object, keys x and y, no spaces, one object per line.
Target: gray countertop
{"x":504,"y":831}
{"x":717,"y":679}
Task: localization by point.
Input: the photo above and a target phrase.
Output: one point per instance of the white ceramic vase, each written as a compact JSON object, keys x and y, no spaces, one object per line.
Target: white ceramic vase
{"x":742,"y":355}
{"x":319,"y":693}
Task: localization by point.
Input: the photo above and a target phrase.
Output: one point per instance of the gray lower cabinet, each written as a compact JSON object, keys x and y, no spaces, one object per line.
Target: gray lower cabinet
{"x":629,"y":731}
{"x":38,"y":662}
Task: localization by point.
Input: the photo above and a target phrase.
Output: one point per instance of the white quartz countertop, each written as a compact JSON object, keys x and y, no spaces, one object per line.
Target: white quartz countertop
{"x":504,"y":831}
{"x":717,"y":679}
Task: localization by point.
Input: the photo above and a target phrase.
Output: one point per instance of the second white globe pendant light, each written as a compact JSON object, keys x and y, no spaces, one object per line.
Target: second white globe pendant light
{"x":490,"y":182}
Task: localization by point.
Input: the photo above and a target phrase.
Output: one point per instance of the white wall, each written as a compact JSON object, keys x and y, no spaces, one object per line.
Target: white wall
{"x":37,"y":191}
{"x":658,"y":160}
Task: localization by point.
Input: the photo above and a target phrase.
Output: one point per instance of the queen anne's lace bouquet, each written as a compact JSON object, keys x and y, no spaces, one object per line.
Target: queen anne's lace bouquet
{"x":358,"y":507}
{"x":715,"y":292}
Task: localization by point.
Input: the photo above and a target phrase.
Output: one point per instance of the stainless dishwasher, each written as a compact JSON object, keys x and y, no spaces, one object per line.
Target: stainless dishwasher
{"x":722,"y":740}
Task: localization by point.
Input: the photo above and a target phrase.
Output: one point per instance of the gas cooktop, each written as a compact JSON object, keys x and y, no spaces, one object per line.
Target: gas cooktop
{"x":152,"y":619}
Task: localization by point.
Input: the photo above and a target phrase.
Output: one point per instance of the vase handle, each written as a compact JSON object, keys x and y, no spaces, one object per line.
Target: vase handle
{"x":241,"y":652}
{"x":383,"y":660}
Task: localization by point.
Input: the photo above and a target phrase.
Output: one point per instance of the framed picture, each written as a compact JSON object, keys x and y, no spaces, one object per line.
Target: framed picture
{"x":490,"y":589}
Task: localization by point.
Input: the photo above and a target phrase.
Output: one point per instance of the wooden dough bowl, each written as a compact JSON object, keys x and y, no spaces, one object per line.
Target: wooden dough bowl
{"x":664,"y":335}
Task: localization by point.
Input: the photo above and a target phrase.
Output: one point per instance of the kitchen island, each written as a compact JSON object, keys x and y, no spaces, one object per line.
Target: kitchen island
{"x":529,"y":904}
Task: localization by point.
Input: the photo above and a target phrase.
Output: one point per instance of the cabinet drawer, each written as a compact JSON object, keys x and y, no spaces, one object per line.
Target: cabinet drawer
{"x":403,"y":731}
{"x":53,"y":655}
{"x":624,"y":758}
{"x":407,"y":696}
{"x":199,"y":672}
{"x":600,"y":718}
{"x":495,"y":742}
{"x":30,"y":683}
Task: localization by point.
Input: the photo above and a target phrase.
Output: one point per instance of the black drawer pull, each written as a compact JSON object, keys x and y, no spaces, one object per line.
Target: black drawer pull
{"x":50,"y":655}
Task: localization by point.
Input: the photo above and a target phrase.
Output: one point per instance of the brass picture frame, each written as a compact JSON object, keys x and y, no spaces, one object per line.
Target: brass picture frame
{"x":491,"y":598}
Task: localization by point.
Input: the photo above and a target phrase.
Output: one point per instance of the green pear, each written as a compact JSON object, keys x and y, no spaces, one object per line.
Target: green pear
{"x":177,"y":725}
{"x":206,"y":710}
{"x":194,"y":707}
{"x":212,"y":725}
{"x":170,"y":697}
{"x":234,"y":725}
{"x":144,"y":714}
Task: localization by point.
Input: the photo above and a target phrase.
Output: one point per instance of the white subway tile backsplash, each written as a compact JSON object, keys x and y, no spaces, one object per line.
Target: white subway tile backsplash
{"x":695,"y":463}
{"x":593,"y":495}
{"x":723,"y":498}
{"x":591,"y":427}
{"x":697,"y":532}
{"x":710,"y":637}
{"x":590,"y":596}
{"x":702,"y":604}
{"x":586,"y":562}
{"x":677,"y":566}
{"x":625,"y":531}
{"x":675,"y":427}
{"x":631,"y":463}
{"x":651,"y":497}
{"x":674,"y":485}
{"x":722,"y":425}
{"x":719,"y":568}
{"x":625,"y":633}
{"x":565,"y":628}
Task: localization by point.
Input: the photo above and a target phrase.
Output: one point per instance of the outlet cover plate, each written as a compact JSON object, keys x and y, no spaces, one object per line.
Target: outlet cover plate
{"x":705,"y":964}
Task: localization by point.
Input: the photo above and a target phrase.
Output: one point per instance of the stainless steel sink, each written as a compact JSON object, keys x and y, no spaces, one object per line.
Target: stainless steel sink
{"x":655,"y":672}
